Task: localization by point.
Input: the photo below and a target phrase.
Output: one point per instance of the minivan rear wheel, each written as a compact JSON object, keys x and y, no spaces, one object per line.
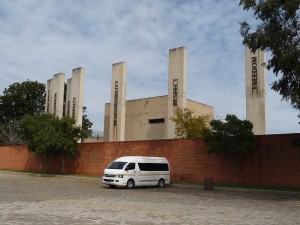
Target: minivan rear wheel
{"x":161,"y":183}
{"x":130,"y":184}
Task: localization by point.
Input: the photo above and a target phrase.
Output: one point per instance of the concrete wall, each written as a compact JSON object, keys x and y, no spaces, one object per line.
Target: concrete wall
{"x":200,"y":109}
{"x":275,"y":162}
{"x":140,"y":119}
{"x":143,"y":120}
{"x":106,"y":122}
{"x":256,"y":108}
{"x":138,"y":113}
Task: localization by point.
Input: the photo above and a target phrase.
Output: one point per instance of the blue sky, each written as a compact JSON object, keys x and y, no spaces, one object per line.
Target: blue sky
{"x":41,"y":38}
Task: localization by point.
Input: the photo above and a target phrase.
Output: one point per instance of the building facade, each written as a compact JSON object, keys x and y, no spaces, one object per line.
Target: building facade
{"x":149,"y":118}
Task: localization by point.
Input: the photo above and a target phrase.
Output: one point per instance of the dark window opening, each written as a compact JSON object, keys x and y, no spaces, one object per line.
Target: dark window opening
{"x":159,"y":120}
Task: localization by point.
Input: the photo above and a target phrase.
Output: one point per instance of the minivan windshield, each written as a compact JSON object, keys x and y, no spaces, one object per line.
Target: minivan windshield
{"x":116,"y":165}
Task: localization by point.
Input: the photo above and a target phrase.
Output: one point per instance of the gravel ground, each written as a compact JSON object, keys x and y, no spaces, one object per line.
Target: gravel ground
{"x":27,"y":198}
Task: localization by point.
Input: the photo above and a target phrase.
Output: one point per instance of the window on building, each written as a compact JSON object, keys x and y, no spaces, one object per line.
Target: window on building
{"x":159,"y":120}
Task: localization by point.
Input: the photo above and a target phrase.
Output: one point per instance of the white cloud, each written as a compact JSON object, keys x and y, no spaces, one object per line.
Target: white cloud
{"x":40,"y":38}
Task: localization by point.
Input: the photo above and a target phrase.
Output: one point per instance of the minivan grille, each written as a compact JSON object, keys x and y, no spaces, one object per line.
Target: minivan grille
{"x":109,"y":175}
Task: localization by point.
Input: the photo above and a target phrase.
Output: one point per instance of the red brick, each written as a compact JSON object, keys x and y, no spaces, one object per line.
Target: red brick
{"x":276,"y":162}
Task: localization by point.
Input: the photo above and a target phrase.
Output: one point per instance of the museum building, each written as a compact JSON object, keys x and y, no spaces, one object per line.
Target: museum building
{"x":149,"y":118}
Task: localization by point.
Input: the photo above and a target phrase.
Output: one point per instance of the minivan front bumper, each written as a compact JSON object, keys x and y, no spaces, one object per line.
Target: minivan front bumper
{"x":113,"y":181}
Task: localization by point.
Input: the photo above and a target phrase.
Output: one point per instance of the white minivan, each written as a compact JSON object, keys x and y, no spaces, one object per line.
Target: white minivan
{"x":132,"y":171}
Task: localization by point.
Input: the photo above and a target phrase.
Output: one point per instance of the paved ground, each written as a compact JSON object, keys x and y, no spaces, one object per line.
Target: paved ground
{"x":35,"y":199}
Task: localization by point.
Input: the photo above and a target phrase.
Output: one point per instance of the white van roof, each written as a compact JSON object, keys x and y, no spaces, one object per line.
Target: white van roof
{"x":129,"y":158}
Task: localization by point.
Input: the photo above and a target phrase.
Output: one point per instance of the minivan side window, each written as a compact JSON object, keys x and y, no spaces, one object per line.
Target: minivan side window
{"x":153,"y":166}
{"x":130,"y":166}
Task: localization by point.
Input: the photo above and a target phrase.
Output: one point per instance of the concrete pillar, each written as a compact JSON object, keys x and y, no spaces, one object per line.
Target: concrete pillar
{"x":55,"y":95}
{"x":176,"y":85}
{"x":74,"y":99}
{"x":118,"y":100}
{"x":68,"y":103}
{"x":256,"y":109}
{"x":48,"y":97}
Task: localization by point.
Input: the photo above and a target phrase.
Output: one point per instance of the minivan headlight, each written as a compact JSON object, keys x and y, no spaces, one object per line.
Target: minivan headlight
{"x":120,"y":176}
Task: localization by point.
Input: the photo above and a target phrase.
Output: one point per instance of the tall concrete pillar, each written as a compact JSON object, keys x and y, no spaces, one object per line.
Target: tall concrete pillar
{"x":74,"y":98}
{"x":68,"y":103}
{"x":256,"y":109}
{"x":118,"y":100}
{"x":55,"y":95}
{"x":48,"y":97}
{"x":176,"y":85}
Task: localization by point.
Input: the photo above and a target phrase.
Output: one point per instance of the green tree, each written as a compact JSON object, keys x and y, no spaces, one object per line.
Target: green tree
{"x":49,"y":137}
{"x":67,"y":145}
{"x":86,"y":123}
{"x":188,"y":125}
{"x":233,"y":139}
{"x":277,"y":31}
{"x":20,"y":99}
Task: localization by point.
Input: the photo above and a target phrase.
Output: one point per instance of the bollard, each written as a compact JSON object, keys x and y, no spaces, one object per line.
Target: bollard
{"x":208,"y":184}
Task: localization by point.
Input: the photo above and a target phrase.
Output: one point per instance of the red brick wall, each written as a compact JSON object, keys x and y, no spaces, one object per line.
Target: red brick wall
{"x":275,"y":162}
{"x":18,"y":158}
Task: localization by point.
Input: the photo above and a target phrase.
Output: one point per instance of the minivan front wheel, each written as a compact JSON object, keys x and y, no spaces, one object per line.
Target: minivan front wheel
{"x":130,"y":184}
{"x":161,"y":183}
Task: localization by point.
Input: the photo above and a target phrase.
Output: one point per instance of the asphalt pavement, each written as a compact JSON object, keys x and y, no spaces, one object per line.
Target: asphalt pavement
{"x":27,"y":198}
